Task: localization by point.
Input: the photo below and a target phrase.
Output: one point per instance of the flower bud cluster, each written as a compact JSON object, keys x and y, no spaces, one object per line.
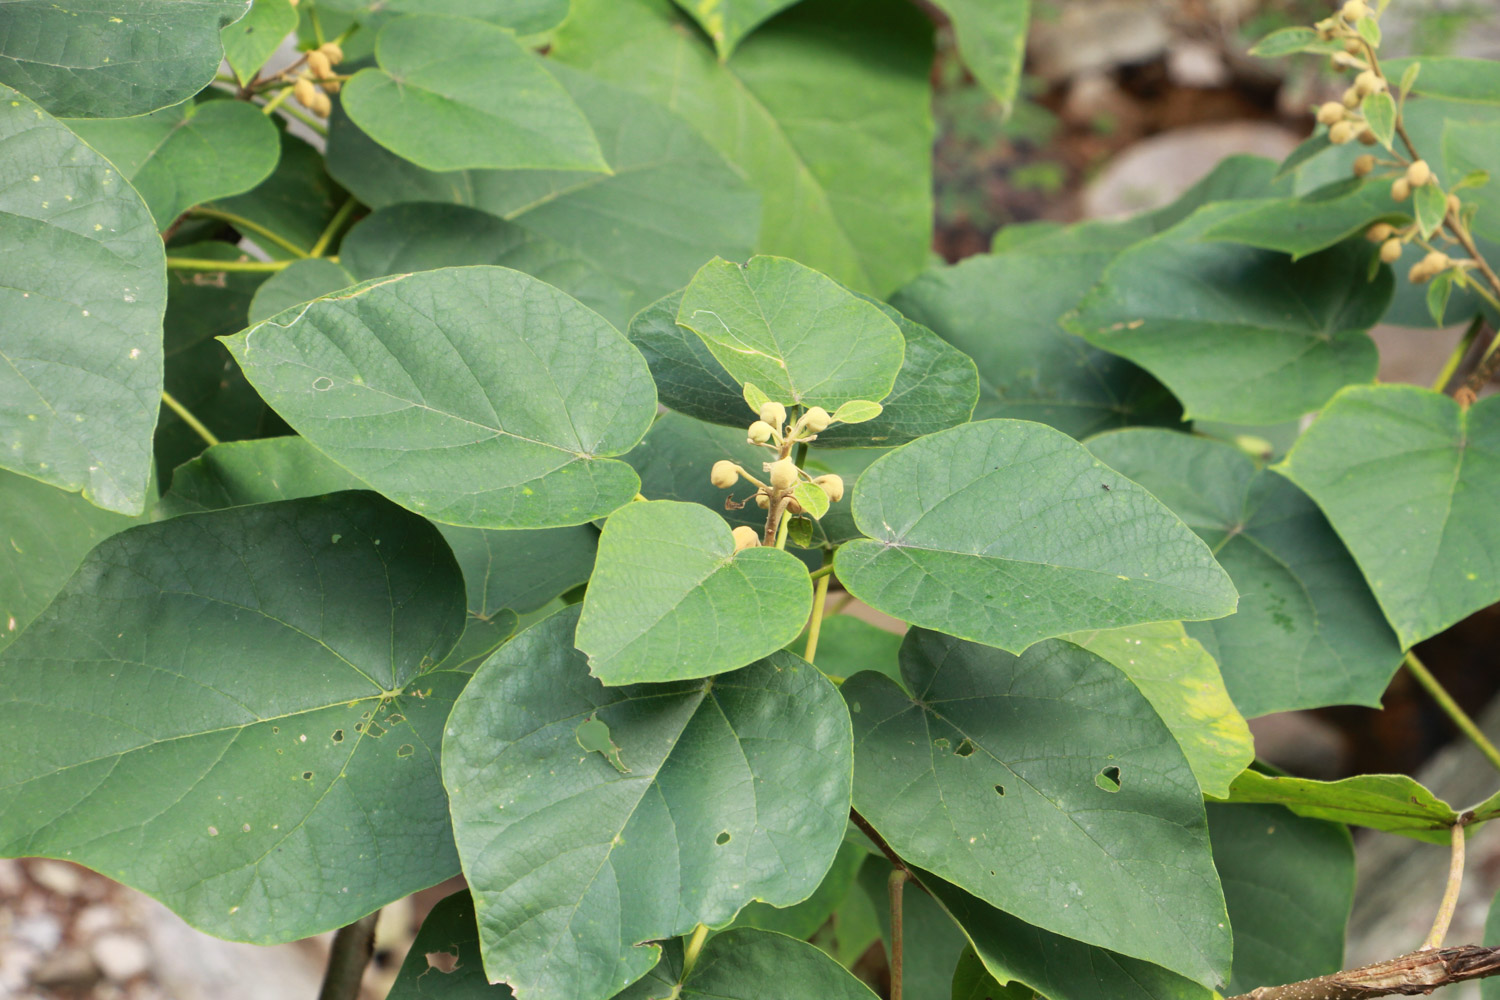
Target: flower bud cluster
{"x":771,"y":430}
{"x":319,"y":79}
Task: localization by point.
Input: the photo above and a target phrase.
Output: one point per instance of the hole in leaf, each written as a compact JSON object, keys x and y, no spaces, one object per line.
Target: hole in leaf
{"x":275,"y":730}
{"x":405,"y":750}
{"x":359,"y":727}
{"x":722,"y":838}
{"x":1108,"y":779}
{"x":999,"y":789}
{"x":941,"y":743}
{"x":338,"y":736}
{"x":306,"y":775}
{"x":443,"y":961}
{"x":964,"y":748}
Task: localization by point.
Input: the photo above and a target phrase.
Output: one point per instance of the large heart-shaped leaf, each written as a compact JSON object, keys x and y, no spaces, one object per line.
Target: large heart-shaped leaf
{"x":191,"y":153}
{"x":449,"y":929}
{"x":45,"y":536}
{"x":1267,"y":855}
{"x":1395,"y":803}
{"x":1381,"y":460}
{"x":1313,"y":221}
{"x":254,"y":38}
{"x":1237,"y":333}
{"x":794,"y":333}
{"x":971,"y":764}
{"x":453,"y":93}
{"x":80,"y":311}
{"x":1007,"y":532}
{"x":1307,"y":632}
{"x":525,"y":17}
{"x":728,"y":21}
{"x":670,"y":204}
{"x":671,"y":599}
{"x":1182,"y":682}
{"x":478,"y":396}
{"x":251,"y":737}
{"x":112,"y":58}
{"x":825,"y":110}
{"x":593,"y":819}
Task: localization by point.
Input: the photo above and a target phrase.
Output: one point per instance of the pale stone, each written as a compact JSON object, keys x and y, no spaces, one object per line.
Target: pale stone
{"x":120,"y":956}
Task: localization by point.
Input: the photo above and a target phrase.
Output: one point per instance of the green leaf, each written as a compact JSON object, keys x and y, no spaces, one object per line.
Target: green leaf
{"x":1380,"y":459}
{"x":1267,"y":855}
{"x":422,"y":236}
{"x":670,"y":204}
{"x":1431,"y":205}
{"x":1369,"y":30}
{"x":81,"y":308}
{"x":825,"y":110}
{"x":738,"y":789}
{"x":803,"y":919}
{"x":1394,"y":803}
{"x":671,"y":599}
{"x":1007,"y":532}
{"x":1211,"y":321}
{"x":1469,"y":81}
{"x":813,"y":500}
{"x":45,"y":536}
{"x":1285,"y":42}
{"x":254,"y":38}
{"x":452,"y":93}
{"x":449,"y":930}
{"x":1438,"y":292}
{"x":754,"y":397}
{"x":847,"y":645}
{"x":478,"y":396}
{"x":751,"y":965}
{"x":860,"y":411}
{"x":972,"y":981}
{"x":1408,"y":80}
{"x":1308,"y":632}
{"x":1311,"y":222}
{"x":933,"y":943}
{"x":1380,"y":115}
{"x":1182,"y":682}
{"x":1057,"y":967}
{"x":1469,"y":150}
{"x":728,"y":21}
{"x":991,"y":37}
{"x":296,"y":202}
{"x":795,"y":333}
{"x":301,"y":281}
{"x":954,"y":777}
{"x":250,"y":731}
{"x":188,"y":154}
{"x":112,"y":58}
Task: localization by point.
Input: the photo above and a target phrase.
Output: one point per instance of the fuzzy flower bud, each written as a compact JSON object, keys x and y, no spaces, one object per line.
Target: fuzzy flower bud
{"x":1340,"y":133}
{"x":1390,"y":250}
{"x":321,"y":105}
{"x":816,"y":420}
{"x":1400,"y":189}
{"x":745,"y":537}
{"x":1363,"y":165}
{"x":724,"y":474}
{"x":1351,"y":98}
{"x":332,"y":50}
{"x":305,"y":92}
{"x":762,"y":501}
{"x":760,"y":432}
{"x":773,"y":414}
{"x":1380,"y":232}
{"x":1367,"y":136}
{"x":1418,"y":173}
{"x":1331,"y":113}
{"x":832,"y":485}
{"x":1437,"y":261}
{"x":320,"y":65}
{"x":1368,"y":82}
{"x":1454,"y":205}
{"x":1353,"y":10}
{"x":783,"y":474}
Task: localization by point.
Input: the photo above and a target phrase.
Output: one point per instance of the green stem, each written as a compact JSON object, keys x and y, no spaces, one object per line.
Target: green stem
{"x":247,"y":226}
{"x":896,"y":884}
{"x":1451,"y":366}
{"x":334,"y":225}
{"x":188,"y":418}
{"x":305,"y":118}
{"x":820,"y":598}
{"x":203,"y":264}
{"x":818,"y":574}
{"x":352,"y":947}
{"x":1450,"y":707}
{"x":269,"y":108}
{"x":694,"y":947}
{"x":1450,"y":894}
{"x":317,"y":26}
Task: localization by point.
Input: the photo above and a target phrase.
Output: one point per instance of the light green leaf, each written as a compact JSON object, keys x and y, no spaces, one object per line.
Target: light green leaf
{"x":452,"y":93}
{"x":526,"y":17}
{"x":1469,"y":81}
{"x":478,"y":396}
{"x":1470,"y":150}
{"x":738,"y":790}
{"x":813,"y":500}
{"x":991,"y":37}
{"x":825,"y":110}
{"x":1308,"y":632}
{"x":1311,"y":222}
{"x":957,"y":775}
{"x":301,"y":281}
{"x":296,"y":202}
{"x":1380,"y":116}
{"x":45,"y":536}
{"x":250,"y":728}
{"x":1395,"y":803}
{"x":1406,"y":476}
{"x":81,"y":308}
{"x":671,"y":599}
{"x":449,"y":929}
{"x":1438,"y":292}
{"x":728,"y":21}
{"x":754,"y":397}
{"x":1431,"y":205}
{"x":847,"y":645}
{"x":1369,"y":30}
{"x":238,"y":473}
{"x":421,"y":236}
{"x":181,"y":156}
{"x":1057,"y":967}
{"x":254,"y":38}
{"x":1182,"y":682}
{"x":112,"y":58}
{"x":1267,"y":855}
{"x":793,"y":332}
{"x":1285,"y":42}
{"x":859,"y":411}
{"x":670,"y":204}
{"x":1214,"y":321}
{"x":1007,"y":532}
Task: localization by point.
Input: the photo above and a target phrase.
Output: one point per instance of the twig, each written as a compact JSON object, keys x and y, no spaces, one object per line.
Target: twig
{"x":1450,"y":708}
{"x":352,"y":947}
{"x":334,"y":224}
{"x":877,"y":840}
{"x":188,"y":418}
{"x":248,"y":226}
{"x":1416,"y":974}
{"x":895,"y":884}
{"x":1450,"y":894}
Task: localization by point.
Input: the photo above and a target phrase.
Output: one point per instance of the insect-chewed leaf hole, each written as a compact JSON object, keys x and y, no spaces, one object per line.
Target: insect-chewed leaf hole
{"x":306,"y":775}
{"x":338,"y":736}
{"x":965,"y":747}
{"x":442,"y":961}
{"x":722,"y":839}
{"x":1000,"y":790}
{"x":1108,"y":779}
{"x":405,"y":750}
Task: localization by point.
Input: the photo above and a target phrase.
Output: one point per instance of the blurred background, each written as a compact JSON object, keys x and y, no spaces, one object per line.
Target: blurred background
{"x":1124,"y":104}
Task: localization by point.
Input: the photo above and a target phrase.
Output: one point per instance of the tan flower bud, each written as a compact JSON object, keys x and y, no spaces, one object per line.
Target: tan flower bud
{"x":816,"y":420}
{"x":1418,"y":273}
{"x":1341,"y":132}
{"x":745,"y":537}
{"x":1353,"y":10}
{"x":1351,"y":98}
{"x":1367,"y":136}
{"x":1454,"y":205}
{"x":773,"y":414}
{"x":1363,"y":165}
{"x":783,"y":474}
{"x":1418,"y":173}
{"x":762,"y":501}
{"x":760,"y":432}
{"x":1437,"y":261}
{"x":832,"y":485}
{"x":1331,"y":113}
{"x":1353,"y":47}
{"x":1390,"y":250}
{"x":305,"y":92}
{"x":332,"y":50}
{"x":319,"y":64}
{"x":724,"y":474}
{"x":1400,"y":189}
{"x":1368,"y":82}
{"x":1380,"y":232}
{"x":321,"y":105}
{"x":331,"y":86}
